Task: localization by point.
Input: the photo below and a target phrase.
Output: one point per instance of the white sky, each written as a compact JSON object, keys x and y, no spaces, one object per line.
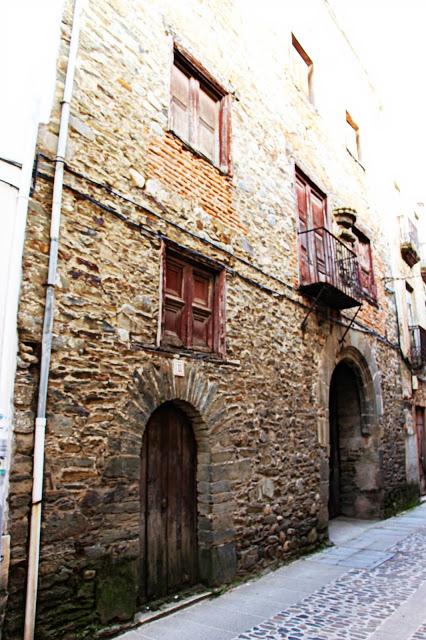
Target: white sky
{"x":390,"y":39}
{"x":29,"y":39}
{"x":389,"y":36}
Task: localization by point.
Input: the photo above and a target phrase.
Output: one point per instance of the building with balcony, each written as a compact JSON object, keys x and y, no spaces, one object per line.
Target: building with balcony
{"x":410,"y":296}
{"x":410,"y":247}
{"x":225,"y":368}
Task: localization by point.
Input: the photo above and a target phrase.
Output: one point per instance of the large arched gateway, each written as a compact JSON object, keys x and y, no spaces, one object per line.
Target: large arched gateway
{"x":354,"y":470}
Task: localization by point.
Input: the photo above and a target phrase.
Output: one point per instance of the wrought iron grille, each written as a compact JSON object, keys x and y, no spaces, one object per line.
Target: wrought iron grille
{"x":326,"y":259}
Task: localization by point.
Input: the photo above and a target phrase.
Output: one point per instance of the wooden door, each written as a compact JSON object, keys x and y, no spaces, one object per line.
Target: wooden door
{"x":420,"y":432}
{"x":168,"y":504}
{"x":334,"y":507}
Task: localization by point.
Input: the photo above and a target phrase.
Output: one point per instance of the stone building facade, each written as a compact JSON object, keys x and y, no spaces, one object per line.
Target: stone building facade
{"x":209,"y":145}
{"x":408,"y":280}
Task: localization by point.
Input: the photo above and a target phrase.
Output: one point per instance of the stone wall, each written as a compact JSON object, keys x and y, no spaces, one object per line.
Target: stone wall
{"x":260,"y":415}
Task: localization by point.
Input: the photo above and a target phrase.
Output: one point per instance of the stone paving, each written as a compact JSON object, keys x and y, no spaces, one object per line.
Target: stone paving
{"x":420,"y":634}
{"x":356,"y":604}
{"x":371,"y":585}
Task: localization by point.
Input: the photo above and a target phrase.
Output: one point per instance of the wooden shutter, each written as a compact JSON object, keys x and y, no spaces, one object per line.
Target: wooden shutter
{"x":200,"y":111}
{"x":410,"y":306}
{"x":225,"y":160}
{"x":193,"y":305}
{"x":321,"y":257}
{"x":219,"y":320}
{"x":365,"y":266}
{"x":208,"y":125}
{"x":302,"y":211}
{"x":194,"y":105}
{"x":352,"y":136}
{"x":180,"y":103}
{"x":301,"y":66}
{"x":201,"y":325}
{"x":175,"y":307}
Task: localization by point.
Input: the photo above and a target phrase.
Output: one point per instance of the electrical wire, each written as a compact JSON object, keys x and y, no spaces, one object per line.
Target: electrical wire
{"x":151,"y":212}
{"x":357,"y":326}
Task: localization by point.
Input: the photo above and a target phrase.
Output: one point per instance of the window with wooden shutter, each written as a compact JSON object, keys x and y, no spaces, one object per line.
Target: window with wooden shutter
{"x":365,"y":265}
{"x":302,"y":68}
{"x":409,"y":291}
{"x":200,"y":111}
{"x":180,"y":102}
{"x":352,"y":137}
{"x":193,"y":308}
{"x":312,"y":222}
{"x":175,"y":302}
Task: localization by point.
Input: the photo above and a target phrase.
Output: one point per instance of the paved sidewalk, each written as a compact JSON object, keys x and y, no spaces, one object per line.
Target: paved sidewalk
{"x":370,"y":585}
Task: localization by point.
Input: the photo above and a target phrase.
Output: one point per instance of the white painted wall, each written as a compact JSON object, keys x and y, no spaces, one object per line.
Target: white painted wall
{"x":29,"y":41}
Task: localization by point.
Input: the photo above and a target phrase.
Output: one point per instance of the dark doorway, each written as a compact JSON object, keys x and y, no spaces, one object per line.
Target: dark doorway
{"x":334,"y":508}
{"x":168,"y":534}
{"x":346,"y":442}
{"x":420,"y":432}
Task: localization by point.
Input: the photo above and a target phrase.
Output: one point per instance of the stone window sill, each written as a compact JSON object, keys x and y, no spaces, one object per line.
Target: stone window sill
{"x":171,"y":352}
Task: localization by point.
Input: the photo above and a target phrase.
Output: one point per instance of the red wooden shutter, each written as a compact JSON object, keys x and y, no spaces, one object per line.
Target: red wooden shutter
{"x":180,"y":103}
{"x":175,"y":307}
{"x":372,"y":285}
{"x":365,"y":266}
{"x":225,"y":160}
{"x":202,"y":301}
{"x":321,"y":257}
{"x":208,"y":126}
{"x":194,"y":99}
{"x":302,"y":211}
{"x":162,"y":310}
{"x":219,"y":320}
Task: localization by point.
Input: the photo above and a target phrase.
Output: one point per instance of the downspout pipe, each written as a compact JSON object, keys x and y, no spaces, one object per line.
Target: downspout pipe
{"x":46,"y":347}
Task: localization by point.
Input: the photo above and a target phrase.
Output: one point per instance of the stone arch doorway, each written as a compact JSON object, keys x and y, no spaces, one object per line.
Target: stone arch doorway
{"x":168,"y":494}
{"x":197,"y":397}
{"x":353,"y":454}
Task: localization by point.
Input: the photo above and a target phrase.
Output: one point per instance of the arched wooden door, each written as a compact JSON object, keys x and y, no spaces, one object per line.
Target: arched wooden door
{"x":168,"y":531}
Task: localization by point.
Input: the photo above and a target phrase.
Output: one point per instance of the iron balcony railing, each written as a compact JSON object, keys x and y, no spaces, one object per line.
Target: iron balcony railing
{"x":418,"y":346}
{"x":329,"y":268}
{"x":423,"y":261}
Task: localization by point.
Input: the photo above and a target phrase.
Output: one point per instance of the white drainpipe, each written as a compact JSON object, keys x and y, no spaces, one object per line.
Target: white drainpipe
{"x":40,"y":422}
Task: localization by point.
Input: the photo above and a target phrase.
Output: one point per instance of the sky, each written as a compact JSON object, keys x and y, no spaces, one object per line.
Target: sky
{"x":388,"y":35}
{"x":390,"y":39}
{"x":29,"y":39}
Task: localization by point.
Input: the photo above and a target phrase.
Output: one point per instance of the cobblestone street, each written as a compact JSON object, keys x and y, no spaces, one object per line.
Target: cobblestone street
{"x":370,"y":585}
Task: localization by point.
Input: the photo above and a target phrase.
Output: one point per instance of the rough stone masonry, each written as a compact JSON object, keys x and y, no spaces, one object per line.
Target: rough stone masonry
{"x":260,"y":412}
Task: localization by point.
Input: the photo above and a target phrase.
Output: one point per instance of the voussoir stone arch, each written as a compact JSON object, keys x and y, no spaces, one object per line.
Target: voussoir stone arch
{"x":356,"y":352}
{"x":198,"y":398}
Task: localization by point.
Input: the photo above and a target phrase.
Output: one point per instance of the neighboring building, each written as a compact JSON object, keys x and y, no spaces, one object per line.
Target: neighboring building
{"x":226,"y":373}
{"x":408,"y":280}
{"x":27,"y":92}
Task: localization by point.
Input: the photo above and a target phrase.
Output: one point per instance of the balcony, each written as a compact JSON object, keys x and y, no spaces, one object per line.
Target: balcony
{"x":410,"y":250}
{"x":423,"y":262}
{"x":418,"y":346}
{"x":328,"y":269}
